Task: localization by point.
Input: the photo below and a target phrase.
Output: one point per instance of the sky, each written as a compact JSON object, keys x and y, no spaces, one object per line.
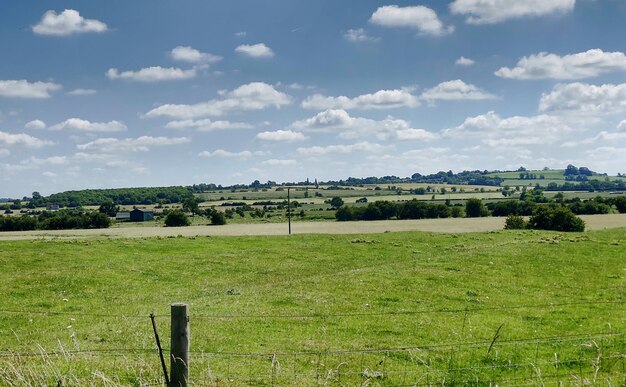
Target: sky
{"x":98,"y":94}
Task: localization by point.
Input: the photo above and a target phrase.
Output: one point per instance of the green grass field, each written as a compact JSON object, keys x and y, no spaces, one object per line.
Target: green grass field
{"x":382,"y":309}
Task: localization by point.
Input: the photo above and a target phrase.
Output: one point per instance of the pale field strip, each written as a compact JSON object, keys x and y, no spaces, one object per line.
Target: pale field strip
{"x":448,"y":225}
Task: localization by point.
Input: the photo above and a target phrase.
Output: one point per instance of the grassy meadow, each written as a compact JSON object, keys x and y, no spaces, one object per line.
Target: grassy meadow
{"x":408,"y":308}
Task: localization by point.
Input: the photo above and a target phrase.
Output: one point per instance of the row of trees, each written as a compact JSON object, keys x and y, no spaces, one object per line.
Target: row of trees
{"x":547,"y":217}
{"x":59,"y":220}
{"x":384,"y":210}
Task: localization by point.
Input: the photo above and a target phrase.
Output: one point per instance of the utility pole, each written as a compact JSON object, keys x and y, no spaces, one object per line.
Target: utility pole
{"x":289,"y":208}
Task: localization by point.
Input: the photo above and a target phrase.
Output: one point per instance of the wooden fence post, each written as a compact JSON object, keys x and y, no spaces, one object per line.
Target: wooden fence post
{"x":179,"y":352}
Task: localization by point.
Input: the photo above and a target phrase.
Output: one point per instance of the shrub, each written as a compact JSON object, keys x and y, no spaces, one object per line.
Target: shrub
{"x":176,"y":218}
{"x":218,"y":218}
{"x":555,"y":218}
{"x":475,"y":208}
{"x":514,"y":222}
{"x":620,"y":203}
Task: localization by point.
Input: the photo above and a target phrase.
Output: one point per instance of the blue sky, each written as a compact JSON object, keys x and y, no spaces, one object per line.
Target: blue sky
{"x":150,"y":93}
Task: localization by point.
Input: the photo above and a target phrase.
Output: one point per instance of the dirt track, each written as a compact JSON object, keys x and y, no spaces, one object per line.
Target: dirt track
{"x":460,"y":225}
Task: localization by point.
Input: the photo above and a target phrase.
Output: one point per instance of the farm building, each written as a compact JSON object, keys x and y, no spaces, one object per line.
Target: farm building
{"x":122,"y":216}
{"x":141,"y":215}
{"x":52,"y":207}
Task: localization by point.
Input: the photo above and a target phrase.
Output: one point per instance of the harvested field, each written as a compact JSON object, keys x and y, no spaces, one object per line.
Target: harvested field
{"x":450,"y":225}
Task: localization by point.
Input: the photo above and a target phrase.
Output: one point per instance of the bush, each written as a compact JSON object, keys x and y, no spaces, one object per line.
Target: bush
{"x":475,"y":208}
{"x":176,"y":218}
{"x":620,"y":203}
{"x":514,"y":222}
{"x":555,"y":218}
{"x":218,"y":218}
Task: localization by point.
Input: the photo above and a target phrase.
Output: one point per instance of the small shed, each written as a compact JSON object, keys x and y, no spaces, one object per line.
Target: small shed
{"x":122,"y":216}
{"x":141,"y":215}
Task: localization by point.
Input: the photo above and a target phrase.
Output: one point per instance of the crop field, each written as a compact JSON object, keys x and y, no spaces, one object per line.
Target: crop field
{"x":400,"y":308}
{"x":156,"y":229}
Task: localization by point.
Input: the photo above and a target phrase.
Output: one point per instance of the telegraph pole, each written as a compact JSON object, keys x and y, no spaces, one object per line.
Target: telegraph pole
{"x":289,"y":208}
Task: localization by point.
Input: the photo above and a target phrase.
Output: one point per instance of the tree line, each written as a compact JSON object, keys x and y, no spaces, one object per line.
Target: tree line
{"x":57,"y":220}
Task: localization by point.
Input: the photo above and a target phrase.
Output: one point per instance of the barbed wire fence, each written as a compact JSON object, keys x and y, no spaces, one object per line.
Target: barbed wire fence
{"x":596,"y":358}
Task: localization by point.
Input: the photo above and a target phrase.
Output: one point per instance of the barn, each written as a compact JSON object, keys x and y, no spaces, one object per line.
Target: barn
{"x":141,"y":215}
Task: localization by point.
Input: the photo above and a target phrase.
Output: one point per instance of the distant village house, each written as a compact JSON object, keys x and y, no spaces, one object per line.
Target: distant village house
{"x":141,"y":215}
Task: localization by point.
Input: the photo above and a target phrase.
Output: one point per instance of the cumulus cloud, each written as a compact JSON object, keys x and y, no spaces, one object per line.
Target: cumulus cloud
{"x":207,"y":125}
{"x":190,"y":54}
{"x":259,"y":50}
{"x":139,"y":144}
{"x":65,"y":23}
{"x":87,"y":126}
{"x":591,"y":63}
{"x":153,"y":74}
{"x":585,"y":99}
{"x":252,"y":96}
{"x":494,"y":131}
{"x":622,"y":125}
{"x":496,"y":11}
{"x":279,"y":163}
{"x":359,"y":35}
{"x":382,"y":99}
{"x":24,"y":89}
{"x":35,"y":124}
{"x":82,"y":92}
{"x":601,"y":136}
{"x":22,"y":139}
{"x":456,"y":90}
{"x":362,"y":147}
{"x":227,"y":154}
{"x":54,"y":160}
{"x":463,"y":61}
{"x":421,"y":18}
{"x":282,"y":135}
{"x":339,"y":120}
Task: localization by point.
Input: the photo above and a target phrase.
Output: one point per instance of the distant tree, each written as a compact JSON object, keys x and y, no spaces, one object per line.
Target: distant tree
{"x":571,"y":170}
{"x":515,"y":222}
{"x":109,"y":208}
{"x":218,"y":218}
{"x":192,"y":205}
{"x":176,"y":218}
{"x":620,"y":204}
{"x":547,"y":217}
{"x":475,"y":208}
{"x":336,"y":202}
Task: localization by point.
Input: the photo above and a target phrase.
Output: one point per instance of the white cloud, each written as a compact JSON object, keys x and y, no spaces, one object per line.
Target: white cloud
{"x":82,"y":92}
{"x":35,"y":124}
{"x":22,"y":139}
{"x":422,"y":18}
{"x":591,"y":63}
{"x":259,"y":50}
{"x":494,"y":131}
{"x":358,"y":35}
{"x":190,"y":54}
{"x":382,"y":99}
{"x":241,"y":34}
{"x":585,"y":99}
{"x":601,"y":136}
{"x":496,"y":11}
{"x":140,"y":144}
{"x":207,"y":125}
{"x":4,"y":152}
{"x":456,"y":90}
{"x":463,"y":61}
{"x":282,"y":135}
{"x":153,"y":74}
{"x":87,"y":126}
{"x":279,"y":163}
{"x":54,"y":160}
{"x":363,"y":147}
{"x":227,"y":154}
{"x":622,"y":125}
{"x":66,"y":23}
{"x":24,"y":89}
{"x":354,"y":127}
{"x":252,"y":96}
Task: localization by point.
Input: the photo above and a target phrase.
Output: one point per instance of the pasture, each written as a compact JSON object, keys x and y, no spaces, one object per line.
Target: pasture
{"x":399,"y":308}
